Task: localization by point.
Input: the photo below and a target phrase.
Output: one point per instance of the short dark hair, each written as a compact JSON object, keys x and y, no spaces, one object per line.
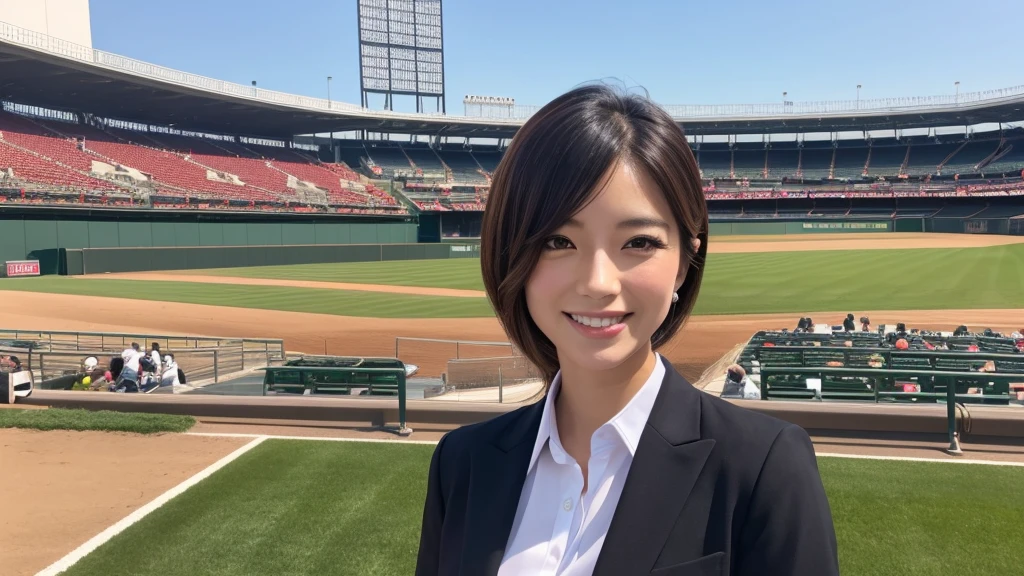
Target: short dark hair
{"x":550,"y":172}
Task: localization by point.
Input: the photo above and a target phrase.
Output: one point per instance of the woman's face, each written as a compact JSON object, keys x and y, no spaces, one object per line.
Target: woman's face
{"x":604,"y":282}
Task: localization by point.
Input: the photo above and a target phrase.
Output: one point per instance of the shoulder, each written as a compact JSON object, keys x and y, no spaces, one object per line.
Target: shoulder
{"x":460,"y":443}
{"x":749,"y":439}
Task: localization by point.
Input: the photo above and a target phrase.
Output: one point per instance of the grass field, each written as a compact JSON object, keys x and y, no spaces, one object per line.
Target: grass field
{"x":734,"y":284}
{"x":100,"y":420}
{"x":303,"y":508}
{"x":286,"y":507}
{"x":462,"y":273}
{"x":322,"y":301}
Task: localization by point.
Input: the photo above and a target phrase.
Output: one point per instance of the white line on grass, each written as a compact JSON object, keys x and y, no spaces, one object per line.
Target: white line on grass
{"x":950,"y":460}
{"x":99,"y":539}
{"x":324,"y":438}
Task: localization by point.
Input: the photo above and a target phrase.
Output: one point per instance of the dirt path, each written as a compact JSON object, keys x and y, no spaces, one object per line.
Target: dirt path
{"x":701,"y":342}
{"x":240,"y":281}
{"x":984,"y":239}
{"x":854,"y":241}
{"x":63,"y":488}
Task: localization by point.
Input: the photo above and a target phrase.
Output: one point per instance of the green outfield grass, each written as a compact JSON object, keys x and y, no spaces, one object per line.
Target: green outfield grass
{"x":920,"y":279}
{"x":100,"y":420}
{"x":461,"y":273}
{"x":307,"y":508}
{"x":810,"y":281}
{"x":797,"y":282}
{"x":323,"y":301}
{"x":286,"y":507}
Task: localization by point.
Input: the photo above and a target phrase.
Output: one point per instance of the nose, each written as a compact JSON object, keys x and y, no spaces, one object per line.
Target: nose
{"x":597,"y":276}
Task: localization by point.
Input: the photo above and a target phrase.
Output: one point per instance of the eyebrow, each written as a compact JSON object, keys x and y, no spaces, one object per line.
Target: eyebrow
{"x":639,"y":222}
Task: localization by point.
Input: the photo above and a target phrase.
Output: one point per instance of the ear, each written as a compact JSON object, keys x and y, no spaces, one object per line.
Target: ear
{"x":681,"y":275}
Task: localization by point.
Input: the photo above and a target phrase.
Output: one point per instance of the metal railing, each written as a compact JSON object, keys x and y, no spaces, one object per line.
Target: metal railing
{"x":860,"y":357}
{"x":513,"y":116}
{"x":946,"y":379}
{"x":198,"y":364}
{"x":201,"y":357}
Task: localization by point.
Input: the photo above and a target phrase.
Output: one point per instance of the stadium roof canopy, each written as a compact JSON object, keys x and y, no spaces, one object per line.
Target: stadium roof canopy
{"x":40,"y":70}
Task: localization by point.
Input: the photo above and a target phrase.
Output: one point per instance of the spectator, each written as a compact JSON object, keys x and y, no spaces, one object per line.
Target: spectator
{"x":131,"y":357}
{"x":154,"y":357}
{"x":738,"y":385}
{"x":848,"y":324}
{"x":170,"y":375}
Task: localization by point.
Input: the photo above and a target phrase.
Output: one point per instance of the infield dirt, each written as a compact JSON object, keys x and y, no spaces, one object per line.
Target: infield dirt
{"x":62,"y":488}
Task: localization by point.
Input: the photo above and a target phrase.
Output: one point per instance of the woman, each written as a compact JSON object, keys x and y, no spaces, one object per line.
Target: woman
{"x":592,"y":251}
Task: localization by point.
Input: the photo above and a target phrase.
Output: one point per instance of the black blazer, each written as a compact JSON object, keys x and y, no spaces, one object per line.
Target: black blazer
{"x":713,"y":489}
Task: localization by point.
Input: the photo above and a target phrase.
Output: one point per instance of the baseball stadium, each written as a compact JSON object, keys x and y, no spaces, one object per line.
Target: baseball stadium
{"x":300,"y":281}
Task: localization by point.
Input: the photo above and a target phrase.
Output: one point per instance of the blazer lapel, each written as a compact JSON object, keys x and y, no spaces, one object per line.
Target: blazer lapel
{"x":668,"y":460}
{"x":497,"y":474}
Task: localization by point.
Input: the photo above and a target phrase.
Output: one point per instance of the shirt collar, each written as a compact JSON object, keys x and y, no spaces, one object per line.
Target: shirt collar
{"x":628,"y":423}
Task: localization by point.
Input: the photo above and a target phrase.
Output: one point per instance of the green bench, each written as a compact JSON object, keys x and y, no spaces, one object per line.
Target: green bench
{"x":832,"y":388}
{"x":336,"y":375}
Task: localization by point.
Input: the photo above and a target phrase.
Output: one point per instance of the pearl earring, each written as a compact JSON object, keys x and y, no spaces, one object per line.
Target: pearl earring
{"x":675,"y":297}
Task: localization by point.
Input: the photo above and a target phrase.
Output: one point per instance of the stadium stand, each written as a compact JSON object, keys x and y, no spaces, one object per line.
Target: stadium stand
{"x":783,"y":160}
{"x":390,"y":158}
{"x":61,"y":155}
{"x":887,"y":158}
{"x":969,"y":155}
{"x":815,"y":160}
{"x":1009,"y":160}
{"x":715,"y":160}
{"x":58,"y":153}
{"x":19,"y":166}
{"x":986,"y":353}
{"x":850,"y":159}
{"x":464,"y":167}
{"x":424,"y":158}
{"x":488,"y":159}
{"x":749,"y":162}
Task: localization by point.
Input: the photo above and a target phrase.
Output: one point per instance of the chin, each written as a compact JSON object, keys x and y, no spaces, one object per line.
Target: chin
{"x":601,"y":358}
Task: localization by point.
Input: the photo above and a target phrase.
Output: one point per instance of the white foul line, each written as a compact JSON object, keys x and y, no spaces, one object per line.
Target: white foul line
{"x":99,"y":539}
{"x":321,"y":438}
{"x":954,"y":460}
{"x":950,"y":460}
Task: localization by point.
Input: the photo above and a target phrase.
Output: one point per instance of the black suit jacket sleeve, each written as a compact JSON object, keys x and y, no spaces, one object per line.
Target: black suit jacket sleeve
{"x":433,"y":518}
{"x":789,"y":528}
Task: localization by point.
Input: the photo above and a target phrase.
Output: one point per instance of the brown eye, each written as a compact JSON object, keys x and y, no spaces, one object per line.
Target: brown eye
{"x":558,"y":243}
{"x":644,"y":243}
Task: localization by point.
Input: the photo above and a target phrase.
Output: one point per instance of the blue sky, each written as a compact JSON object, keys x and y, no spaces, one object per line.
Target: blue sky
{"x":681,"y":51}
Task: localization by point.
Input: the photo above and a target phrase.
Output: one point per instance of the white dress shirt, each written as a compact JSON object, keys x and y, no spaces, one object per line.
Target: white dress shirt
{"x":558,"y":529}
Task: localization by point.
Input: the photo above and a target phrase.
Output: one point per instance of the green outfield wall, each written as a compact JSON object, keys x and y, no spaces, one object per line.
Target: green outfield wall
{"x":101,"y":241}
{"x":103,"y":260}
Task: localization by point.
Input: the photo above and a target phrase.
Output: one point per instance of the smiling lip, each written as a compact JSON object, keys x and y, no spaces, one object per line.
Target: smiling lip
{"x":598,"y":324}
{"x":610,"y":314}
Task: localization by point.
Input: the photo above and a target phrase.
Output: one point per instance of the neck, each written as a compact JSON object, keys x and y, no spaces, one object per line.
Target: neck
{"x":588,"y":398}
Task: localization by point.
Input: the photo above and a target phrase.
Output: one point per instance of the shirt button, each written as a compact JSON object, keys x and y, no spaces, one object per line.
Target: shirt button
{"x":567,"y":505}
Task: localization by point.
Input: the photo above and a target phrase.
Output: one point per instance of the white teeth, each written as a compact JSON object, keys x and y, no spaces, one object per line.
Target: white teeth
{"x":597,"y":322}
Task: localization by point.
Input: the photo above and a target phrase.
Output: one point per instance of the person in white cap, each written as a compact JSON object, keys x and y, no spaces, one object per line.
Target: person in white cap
{"x":170,"y":373}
